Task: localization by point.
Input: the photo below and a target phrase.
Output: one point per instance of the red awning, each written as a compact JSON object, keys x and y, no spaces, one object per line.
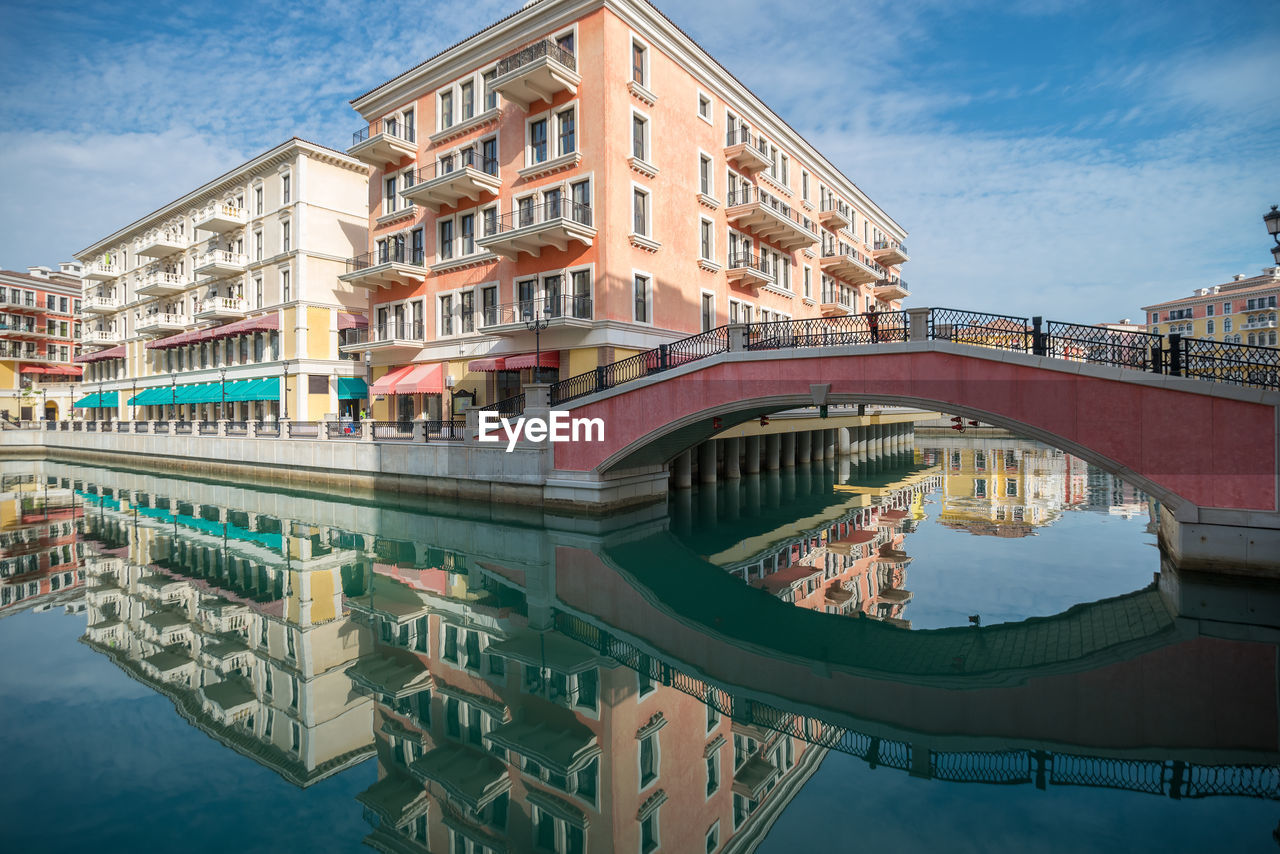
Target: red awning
{"x":261,"y":323}
{"x":550,"y":359}
{"x":387,"y":382}
{"x":487,"y":365}
{"x":109,"y":353}
{"x":423,"y":379}
{"x":178,"y":340}
{"x":893,"y":515}
{"x":32,"y":369}
{"x":854,"y":538}
{"x":347,"y":320}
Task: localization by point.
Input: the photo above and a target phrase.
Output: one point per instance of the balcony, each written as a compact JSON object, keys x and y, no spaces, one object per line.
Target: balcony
{"x":396,"y":338}
{"x":890,"y":253}
{"x":100,"y":271}
{"x":835,"y":302}
{"x":537,"y":73}
{"x":102,"y":337}
{"x":536,"y":226}
{"x":101,"y":305}
{"x":162,"y":323}
{"x":763,"y":215}
{"x":836,"y":216}
{"x":555,"y":310}
{"x":161,"y":244}
{"x":221,"y":308}
{"x":891,"y":289}
{"x":222,"y":217}
{"x":33,"y":331}
{"x":27,"y":305}
{"x":221,"y":262}
{"x":747,"y":269}
{"x":844,"y":262}
{"x":462,"y":175}
{"x":161,"y":284}
{"x":742,"y":149}
{"x":385,"y":269}
{"x":383,"y":142}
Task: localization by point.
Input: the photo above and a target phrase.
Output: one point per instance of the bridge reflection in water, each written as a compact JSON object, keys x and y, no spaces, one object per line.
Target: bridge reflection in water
{"x":654,"y":680}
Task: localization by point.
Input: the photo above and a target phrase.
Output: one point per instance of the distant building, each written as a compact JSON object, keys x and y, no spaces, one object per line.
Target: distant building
{"x":1241,"y":311}
{"x":39,"y":339}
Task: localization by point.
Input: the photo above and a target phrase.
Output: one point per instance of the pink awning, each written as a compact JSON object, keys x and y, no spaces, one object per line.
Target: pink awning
{"x":423,"y":379}
{"x":261,"y":323}
{"x":487,"y":365}
{"x":347,"y":320}
{"x":550,"y":359}
{"x":109,"y":353}
{"x":32,"y":369}
{"x":387,"y":382}
{"x":893,"y":515}
{"x":854,"y":538}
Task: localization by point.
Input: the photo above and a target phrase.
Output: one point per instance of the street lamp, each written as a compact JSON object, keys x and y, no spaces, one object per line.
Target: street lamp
{"x":285,"y":367}
{"x":1272,"y":219}
{"x":173,"y":406}
{"x":536,"y":324}
{"x":222,"y":386}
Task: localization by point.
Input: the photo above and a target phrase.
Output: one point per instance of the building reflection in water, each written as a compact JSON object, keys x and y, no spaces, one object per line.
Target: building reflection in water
{"x":526,"y":687}
{"x":41,"y":558}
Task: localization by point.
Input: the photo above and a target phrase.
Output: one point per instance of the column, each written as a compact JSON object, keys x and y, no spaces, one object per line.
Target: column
{"x":829,"y":443}
{"x":843,"y":444}
{"x":804,"y":446}
{"x":732,"y":451}
{"x":788,"y":451}
{"x":682,"y":470}
{"x":707,"y":462}
{"x":772,"y":451}
{"x":752,"y":464}
{"x":816,"y":447}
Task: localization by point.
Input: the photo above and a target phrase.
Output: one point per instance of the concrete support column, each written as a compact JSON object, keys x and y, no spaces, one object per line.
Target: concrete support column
{"x":772,"y":451}
{"x":366,"y":430}
{"x":682,"y":470}
{"x":817,"y":447}
{"x":788,"y":450}
{"x":804,"y":446}
{"x":732,"y":451}
{"x":419,"y":431}
{"x":843,"y":444}
{"x":251,"y":429}
{"x":222,"y":427}
{"x":707,"y":462}
{"x":859,"y":441}
{"x":829,"y":443}
{"x":752,"y":451}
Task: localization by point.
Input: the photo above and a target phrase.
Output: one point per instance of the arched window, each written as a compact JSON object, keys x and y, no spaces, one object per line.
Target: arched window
{"x":1226,"y":324}
{"x":1251,"y":341}
{"x":1209,"y":326}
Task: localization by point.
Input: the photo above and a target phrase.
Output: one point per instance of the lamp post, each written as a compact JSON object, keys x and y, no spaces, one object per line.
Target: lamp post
{"x":285,"y":367}
{"x":100,"y":405}
{"x":536,"y":324}
{"x":1272,"y":219}
{"x":222,"y":386}
{"x":131,"y":403}
{"x":174,"y":404}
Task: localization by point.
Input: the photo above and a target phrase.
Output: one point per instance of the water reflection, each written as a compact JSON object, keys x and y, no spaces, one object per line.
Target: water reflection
{"x":647,"y":681}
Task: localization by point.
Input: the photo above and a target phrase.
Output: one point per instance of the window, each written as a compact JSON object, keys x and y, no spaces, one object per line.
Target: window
{"x":257,"y":245}
{"x":649,"y":833}
{"x":808,"y":282}
{"x":1011,"y":487}
{"x":446,"y":110}
{"x":708,"y":311}
{"x":446,"y":239}
{"x":566,"y":132}
{"x":286,"y":189}
{"x":257,"y":201}
{"x":285,"y":235}
{"x":643,"y":309}
{"x":446,"y":328}
{"x":490,"y":96}
{"x":467,"y":229}
{"x":1209,"y":326}
{"x":784,"y":170}
{"x":644,"y":684}
{"x":1226,"y":324}
{"x":467,"y":303}
{"x":1226,"y":308}
{"x":581,"y":194}
{"x":581,"y":294}
{"x":639,"y":137}
{"x":1208,"y":310}
{"x":467,"y":98}
{"x":389,"y":195}
{"x":284,"y":286}
{"x":639,"y":63}
{"x":489,"y":155}
{"x":706,"y":183}
{"x":804,"y":185}
{"x":640,"y":212}
{"x":257,"y":292}
{"x":706,"y":244}
{"x":538,"y":141}
{"x":704,"y":106}
{"x":713,"y":772}
{"x":648,"y":759}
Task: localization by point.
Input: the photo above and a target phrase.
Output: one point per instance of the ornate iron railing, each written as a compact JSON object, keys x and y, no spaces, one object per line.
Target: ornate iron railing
{"x":1097,"y":345}
{"x":507,"y":406}
{"x":1218,"y":361}
{"x":878,"y":328}
{"x":393,"y":430}
{"x":981,"y":329}
{"x":445,"y":431}
{"x":534,"y":52}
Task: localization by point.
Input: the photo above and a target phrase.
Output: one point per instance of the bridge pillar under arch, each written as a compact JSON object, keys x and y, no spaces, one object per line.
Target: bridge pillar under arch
{"x":804,"y":446}
{"x":842,"y":441}
{"x":752,"y":453}
{"x":707,"y":462}
{"x":788,"y":451}
{"x":732,"y":453}
{"x":858,"y":441}
{"x":829,"y":444}
{"x":682,"y":471}
{"x":772,"y":451}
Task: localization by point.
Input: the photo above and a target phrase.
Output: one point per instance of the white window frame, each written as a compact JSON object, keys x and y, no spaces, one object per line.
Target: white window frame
{"x":657,"y":759}
{"x":631,"y":209}
{"x":648,"y":136}
{"x":649,"y":301}
{"x":647,"y":82}
{"x":284,"y":277}
{"x":529,"y":122}
{"x":714,"y":314}
{"x":706,"y":222}
{"x":711,"y":106}
{"x":710,"y":191}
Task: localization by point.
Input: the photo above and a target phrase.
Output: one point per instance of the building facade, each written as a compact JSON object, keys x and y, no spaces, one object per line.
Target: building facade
{"x":226,"y":303}
{"x":587,"y":168}
{"x":1241,"y":311}
{"x":39,"y":339}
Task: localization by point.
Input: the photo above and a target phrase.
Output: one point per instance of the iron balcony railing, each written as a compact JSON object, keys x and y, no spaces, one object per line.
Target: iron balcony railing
{"x":833,"y":249}
{"x":836,"y":296}
{"x":392,"y":330}
{"x":534,"y":52}
{"x":744,"y":136}
{"x":547,"y":308}
{"x":389,"y":255}
{"x":391,"y":127}
{"x":447,"y":165}
{"x":889,"y":244}
{"x":742,"y":260}
{"x":748,"y":194}
{"x":539,"y":213}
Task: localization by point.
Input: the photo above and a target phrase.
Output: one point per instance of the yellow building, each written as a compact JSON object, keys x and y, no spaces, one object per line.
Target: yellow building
{"x":1241,"y":311}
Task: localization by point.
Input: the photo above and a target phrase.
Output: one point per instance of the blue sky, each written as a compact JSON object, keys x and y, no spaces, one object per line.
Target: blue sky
{"x":1071,"y":159}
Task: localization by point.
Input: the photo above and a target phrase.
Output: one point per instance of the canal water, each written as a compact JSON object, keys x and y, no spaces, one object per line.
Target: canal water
{"x":972,"y":646}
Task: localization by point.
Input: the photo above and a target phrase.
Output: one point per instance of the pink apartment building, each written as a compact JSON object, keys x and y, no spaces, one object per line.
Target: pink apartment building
{"x":588,"y":165}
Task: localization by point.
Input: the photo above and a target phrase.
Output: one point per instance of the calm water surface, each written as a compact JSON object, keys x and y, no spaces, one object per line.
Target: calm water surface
{"x":961,"y":648}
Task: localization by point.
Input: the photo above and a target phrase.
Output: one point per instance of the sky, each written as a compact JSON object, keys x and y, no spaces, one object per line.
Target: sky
{"x":1075,"y":159}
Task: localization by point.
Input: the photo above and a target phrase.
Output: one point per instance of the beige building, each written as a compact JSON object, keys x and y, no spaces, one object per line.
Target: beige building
{"x":226,"y":302}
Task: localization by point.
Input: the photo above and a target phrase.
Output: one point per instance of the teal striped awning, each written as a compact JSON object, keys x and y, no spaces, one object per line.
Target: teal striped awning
{"x":105,"y":400}
{"x":352,"y":388}
{"x":264,"y":388}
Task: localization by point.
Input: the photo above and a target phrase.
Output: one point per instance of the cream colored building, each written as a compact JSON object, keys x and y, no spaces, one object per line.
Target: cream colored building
{"x":235,"y":283}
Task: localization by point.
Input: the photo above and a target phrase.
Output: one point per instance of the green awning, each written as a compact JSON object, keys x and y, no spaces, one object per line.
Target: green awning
{"x":237,"y":391}
{"x":352,"y":388}
{"x":105,"y":400}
